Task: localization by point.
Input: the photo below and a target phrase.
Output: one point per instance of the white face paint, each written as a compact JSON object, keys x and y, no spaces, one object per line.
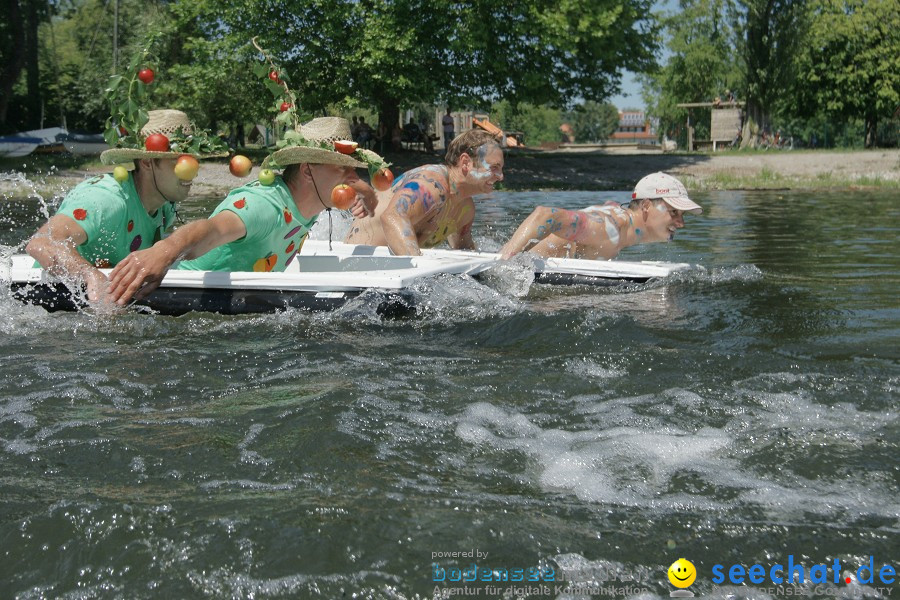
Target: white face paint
{"x":662,"y":223}
{"x":487,"y":167}
{"x":612,"y":232}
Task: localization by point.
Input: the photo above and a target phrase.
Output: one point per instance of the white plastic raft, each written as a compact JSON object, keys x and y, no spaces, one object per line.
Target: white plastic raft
{"x":560,"y":271}
{"x":313,"y":282}
{"x":324,"y":277}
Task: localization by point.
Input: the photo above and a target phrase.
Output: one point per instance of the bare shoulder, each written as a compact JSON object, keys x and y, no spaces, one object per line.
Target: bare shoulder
{"x":608,"y":213}
{"x":433,"y":176}
{"x":421,"y":190}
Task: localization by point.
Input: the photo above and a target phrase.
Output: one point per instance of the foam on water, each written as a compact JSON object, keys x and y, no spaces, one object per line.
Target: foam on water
{"x":677,"y":450}
{"x":511,"y":278}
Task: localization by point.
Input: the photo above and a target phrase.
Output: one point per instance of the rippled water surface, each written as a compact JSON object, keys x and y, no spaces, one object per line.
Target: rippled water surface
{"x":737,"y":415}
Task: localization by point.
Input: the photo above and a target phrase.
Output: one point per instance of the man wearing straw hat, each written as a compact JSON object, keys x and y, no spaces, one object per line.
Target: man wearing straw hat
{"x":655,"y":213}
{"x":259,"y":226}
{"x":102,"y":220}
{"x":433,"y":203}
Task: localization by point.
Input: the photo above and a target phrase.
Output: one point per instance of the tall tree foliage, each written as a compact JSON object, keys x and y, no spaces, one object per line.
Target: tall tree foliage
{"x":76,"y":56}
{"x":385,"y":53}
{"x":850,"y":68}
{"x":19,"y":44}
{"x":702,"y":65}
{"x":537,"y":123}
{"x":772,"y":32}
{"x":594,"y":121}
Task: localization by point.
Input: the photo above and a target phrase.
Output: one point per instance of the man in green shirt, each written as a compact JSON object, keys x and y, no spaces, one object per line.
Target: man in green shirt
{"x":103,"y":219}
{"x":260,"y":226}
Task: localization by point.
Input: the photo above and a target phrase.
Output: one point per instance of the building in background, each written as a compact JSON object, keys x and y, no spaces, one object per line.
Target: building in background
{"x":635,"y":128}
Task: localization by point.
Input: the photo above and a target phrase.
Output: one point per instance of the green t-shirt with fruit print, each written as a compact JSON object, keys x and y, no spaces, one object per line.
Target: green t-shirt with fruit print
{"x":115,"y":221}
{"x":275,"y":231}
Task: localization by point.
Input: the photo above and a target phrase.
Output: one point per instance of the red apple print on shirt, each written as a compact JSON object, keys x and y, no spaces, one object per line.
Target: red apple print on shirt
{"x":80,"y":214}
{"x":289,"y":249}
{"x":130,"y":226}
{"x":288,"y":217}
{"x":240,"y":203}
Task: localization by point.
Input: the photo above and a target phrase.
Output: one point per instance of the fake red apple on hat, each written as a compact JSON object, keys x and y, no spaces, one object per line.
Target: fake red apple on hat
{"x":345,"y":146}
{"x":186,"y":167}
{"x":240,"y":165}
{"x":383,"y":179}
{"x":157,"y":142}
{"x":343,"y":196}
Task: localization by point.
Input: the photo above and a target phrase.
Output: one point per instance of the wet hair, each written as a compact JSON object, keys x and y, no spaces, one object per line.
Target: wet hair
{"x":468,"y":142}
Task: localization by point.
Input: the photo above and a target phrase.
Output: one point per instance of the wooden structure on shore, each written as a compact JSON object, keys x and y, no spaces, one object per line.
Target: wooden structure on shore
{"x":725,"y":123}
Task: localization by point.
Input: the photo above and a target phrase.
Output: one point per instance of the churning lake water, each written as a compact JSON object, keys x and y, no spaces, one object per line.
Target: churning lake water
{"x":585,"y":437}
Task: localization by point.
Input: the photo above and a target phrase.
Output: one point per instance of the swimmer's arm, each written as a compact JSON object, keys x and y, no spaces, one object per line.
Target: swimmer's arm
{"x":141,"y":272}
{"x":544,"y":220}
{"x":366,"y":199}
{"x":55,"y":247}
{"x":411,"y":204}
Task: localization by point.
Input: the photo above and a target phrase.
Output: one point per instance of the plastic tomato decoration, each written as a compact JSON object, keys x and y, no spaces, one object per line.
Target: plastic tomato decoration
{"x":157,"y":142}
{"x":146,"y":76}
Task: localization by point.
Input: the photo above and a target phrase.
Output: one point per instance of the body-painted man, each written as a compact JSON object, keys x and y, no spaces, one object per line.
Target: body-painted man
{"x":433,"y":203}
{"x":655,"y":213}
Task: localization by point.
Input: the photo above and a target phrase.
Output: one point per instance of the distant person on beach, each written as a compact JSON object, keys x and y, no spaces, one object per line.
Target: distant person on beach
{"x":655,"y":213}
{"x":448,"y":125}
{"x":433,"y":203}
{"x":260,"y":226}
{"x":102,"y":220}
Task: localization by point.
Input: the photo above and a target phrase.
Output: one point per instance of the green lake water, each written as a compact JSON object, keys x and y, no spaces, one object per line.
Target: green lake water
{"x":743,"y":415}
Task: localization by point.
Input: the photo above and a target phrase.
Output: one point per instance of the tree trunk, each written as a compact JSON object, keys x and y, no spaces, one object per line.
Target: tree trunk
{"x":871,"y":131}
{"x":32,"y":66}
{"x":755,"y":122}
{"x":9,"y":73}
{"x":239,"y":140}
{"x":389,"y":112}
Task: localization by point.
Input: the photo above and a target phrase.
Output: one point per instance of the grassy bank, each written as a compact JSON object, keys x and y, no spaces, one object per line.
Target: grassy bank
{"x":767,"y":179}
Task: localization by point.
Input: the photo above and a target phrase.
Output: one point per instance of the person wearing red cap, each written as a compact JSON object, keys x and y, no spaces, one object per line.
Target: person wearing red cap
{"x":655,"y":213}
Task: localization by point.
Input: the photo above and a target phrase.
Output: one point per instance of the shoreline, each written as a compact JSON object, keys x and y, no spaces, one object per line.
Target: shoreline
{"x":587,"y":170}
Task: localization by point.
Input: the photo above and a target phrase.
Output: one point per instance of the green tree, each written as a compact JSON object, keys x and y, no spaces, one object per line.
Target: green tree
{"x":702,"y":64}
{"x":549,"y":51}
{"x":537,"y":123}
{"x":76,"y":57}
{"x":392,"y":53}
{"x":594,"y":122}
{"x":772,"y":32}
{"x":19,"y":51}
{"x":851,"y":66}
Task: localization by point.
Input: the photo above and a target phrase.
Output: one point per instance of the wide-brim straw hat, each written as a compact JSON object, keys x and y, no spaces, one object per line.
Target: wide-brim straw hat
{"x":165,"y":121}
{"x":321,"y":131}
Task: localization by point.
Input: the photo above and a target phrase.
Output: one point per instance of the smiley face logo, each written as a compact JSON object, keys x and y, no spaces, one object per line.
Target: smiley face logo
{"x":682,"y":573}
